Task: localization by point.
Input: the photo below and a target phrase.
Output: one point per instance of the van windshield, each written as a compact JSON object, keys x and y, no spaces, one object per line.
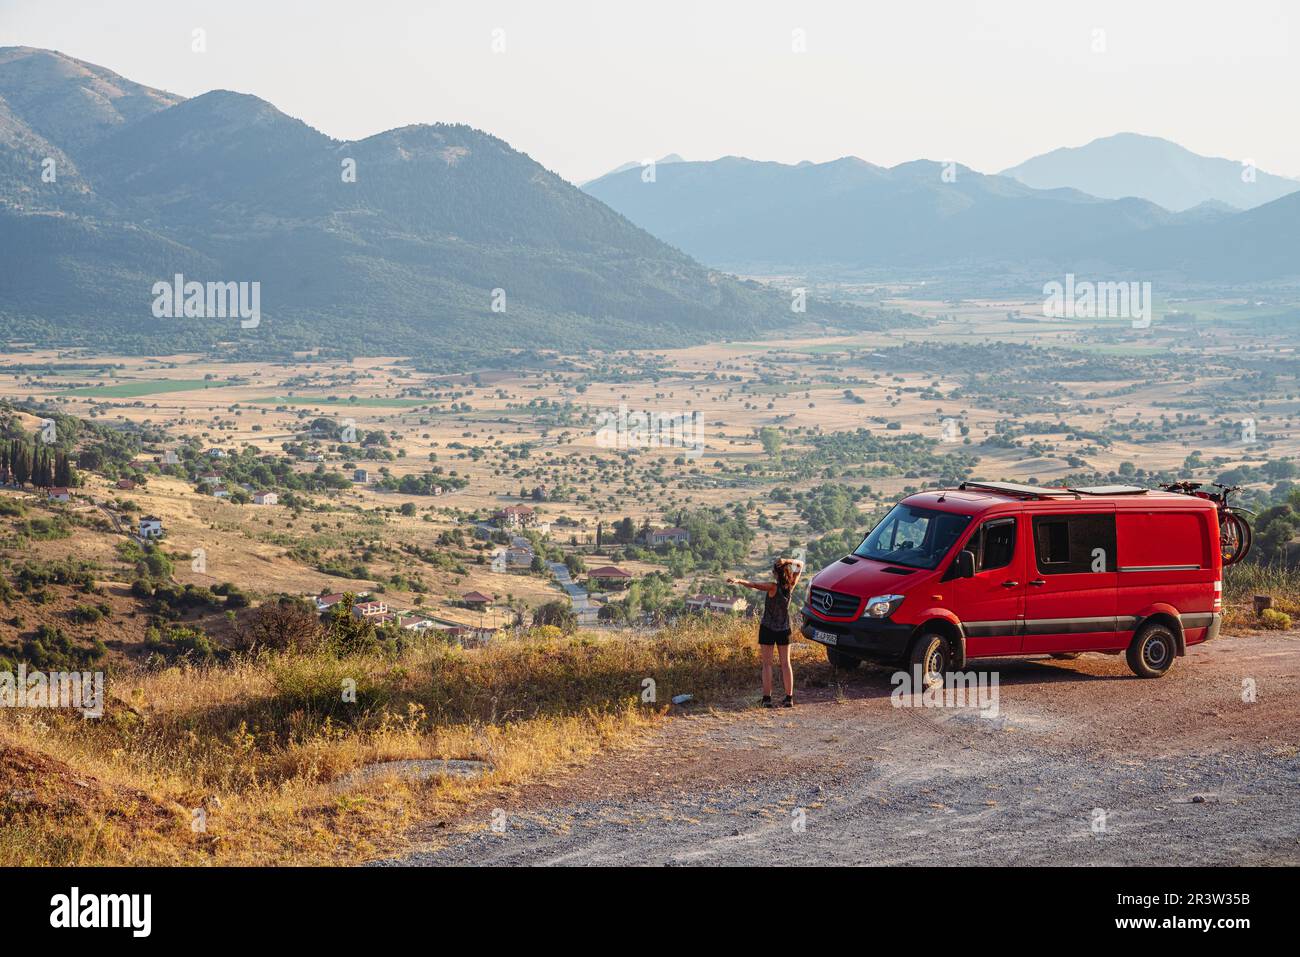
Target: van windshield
{"x":911,"y":536}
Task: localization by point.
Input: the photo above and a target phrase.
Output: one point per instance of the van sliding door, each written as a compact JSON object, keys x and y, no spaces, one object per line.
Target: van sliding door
{"x":1070,"y":601}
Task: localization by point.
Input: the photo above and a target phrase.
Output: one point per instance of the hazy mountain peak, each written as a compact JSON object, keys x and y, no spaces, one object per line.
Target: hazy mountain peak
{"x":636,"y":164}
{"x":1153,"y":168}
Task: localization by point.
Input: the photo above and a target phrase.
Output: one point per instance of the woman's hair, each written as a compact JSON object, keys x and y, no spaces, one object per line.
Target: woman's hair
{"x":787,"y":570}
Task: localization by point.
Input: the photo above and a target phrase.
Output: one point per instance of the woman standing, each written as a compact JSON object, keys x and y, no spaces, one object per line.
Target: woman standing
{"x":774,"y":629}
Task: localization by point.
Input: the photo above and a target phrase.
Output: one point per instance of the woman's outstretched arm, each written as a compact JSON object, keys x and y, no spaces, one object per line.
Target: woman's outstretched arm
{"x":769,"y":587}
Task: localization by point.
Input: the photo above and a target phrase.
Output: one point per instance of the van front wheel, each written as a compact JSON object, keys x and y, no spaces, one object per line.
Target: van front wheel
{"x":932,"y":654}
{"x":840,"y":661}
{"x":1152,"y":651}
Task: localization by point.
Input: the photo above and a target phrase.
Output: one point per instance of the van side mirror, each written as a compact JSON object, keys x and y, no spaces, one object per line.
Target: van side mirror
{"x":963,"y":565}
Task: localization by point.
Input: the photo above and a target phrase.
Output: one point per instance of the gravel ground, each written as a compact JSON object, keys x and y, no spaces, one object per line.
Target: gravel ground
{"x":1084,"y":764}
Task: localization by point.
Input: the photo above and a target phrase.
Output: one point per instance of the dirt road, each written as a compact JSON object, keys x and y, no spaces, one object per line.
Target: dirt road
{"x":1083,"y":764}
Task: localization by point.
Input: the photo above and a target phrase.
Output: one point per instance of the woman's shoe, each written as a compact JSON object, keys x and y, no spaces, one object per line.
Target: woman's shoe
{"x":767,"y":701}
{"x":788,"y":702}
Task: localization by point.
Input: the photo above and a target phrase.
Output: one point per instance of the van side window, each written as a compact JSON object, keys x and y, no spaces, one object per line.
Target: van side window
{"x":1074,"y":544}
{"x":998,"y":543}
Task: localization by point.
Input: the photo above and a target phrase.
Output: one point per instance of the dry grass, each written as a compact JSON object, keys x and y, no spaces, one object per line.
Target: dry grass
{"x":261,"y":744}
{"x":1241,"y":583}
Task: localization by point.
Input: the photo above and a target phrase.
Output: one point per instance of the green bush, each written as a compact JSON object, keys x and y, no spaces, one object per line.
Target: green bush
{"x":1275,"y":620}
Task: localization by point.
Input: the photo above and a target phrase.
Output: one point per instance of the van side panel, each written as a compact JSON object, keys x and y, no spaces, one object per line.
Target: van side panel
{"x":1168,"y":556}
{"x":1071,"y":593}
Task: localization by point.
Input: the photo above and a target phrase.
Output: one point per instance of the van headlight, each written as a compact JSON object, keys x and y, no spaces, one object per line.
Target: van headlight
{"x":882,"y":606}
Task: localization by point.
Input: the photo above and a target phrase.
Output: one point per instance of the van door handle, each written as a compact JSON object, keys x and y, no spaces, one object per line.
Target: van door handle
{"x":1039,"y":581}
{"x":1010,"y":584}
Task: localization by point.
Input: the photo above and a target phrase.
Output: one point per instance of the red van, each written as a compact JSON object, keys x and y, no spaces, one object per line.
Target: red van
{"x":991,"y":569}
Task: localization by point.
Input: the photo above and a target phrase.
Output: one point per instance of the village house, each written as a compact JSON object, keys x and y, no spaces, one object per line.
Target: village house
{"x":313,"y":457}
{"x":608,"y":576}
{"x":517,"y":556}
{"x":151,"y":527}
{"x":59,"y":494}
{"x":210,"y":478}
{"x":265,"y":498}
{"x":413,"y":622}
{"x":361,"y":476}
{"x":667,"y":536}
{"x":220,"y":491}
{"x":216,"y":453}
{"x":476,"y":600}
{"x":716,"y":603}
{"x":126,"y":485}
{"x":325,"y":602}
{"x":370,"y":610}
{"x":515,"y":516}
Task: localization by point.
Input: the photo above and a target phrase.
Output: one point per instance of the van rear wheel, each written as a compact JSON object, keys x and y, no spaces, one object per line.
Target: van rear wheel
{"x":1151,"y":652}
{"x":840,"y":661}
{"x":933,"y":655}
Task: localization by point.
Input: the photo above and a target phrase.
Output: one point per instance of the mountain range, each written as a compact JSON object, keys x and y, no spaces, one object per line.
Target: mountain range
{"x":848,"y":217}
{"x":442,"y":241}
{"x":429,"y":240}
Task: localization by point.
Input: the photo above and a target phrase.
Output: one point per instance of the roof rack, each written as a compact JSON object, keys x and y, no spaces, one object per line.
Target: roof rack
{"x":1111,"y":490}
{"x":1020,"y":491}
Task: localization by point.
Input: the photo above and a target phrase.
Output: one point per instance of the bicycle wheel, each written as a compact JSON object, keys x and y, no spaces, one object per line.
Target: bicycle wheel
{"x":1234,"y":538}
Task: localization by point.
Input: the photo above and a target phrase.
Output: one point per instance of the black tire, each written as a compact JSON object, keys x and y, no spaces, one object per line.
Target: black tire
{"x":933,"y":655}
{"x":1234,"y":538}
{"x":1151,"y":653}
{"x":841,"y":661}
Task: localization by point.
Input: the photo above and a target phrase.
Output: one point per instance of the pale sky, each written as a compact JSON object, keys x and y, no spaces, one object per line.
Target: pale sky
{"x":584,"y":86}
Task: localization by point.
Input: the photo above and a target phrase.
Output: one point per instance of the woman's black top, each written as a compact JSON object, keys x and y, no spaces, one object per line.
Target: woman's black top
{"x":776,"y":609}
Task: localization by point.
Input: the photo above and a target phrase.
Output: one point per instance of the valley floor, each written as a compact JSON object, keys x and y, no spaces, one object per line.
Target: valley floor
{"x":1083,"y":765}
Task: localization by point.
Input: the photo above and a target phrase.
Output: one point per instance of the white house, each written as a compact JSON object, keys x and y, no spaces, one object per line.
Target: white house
{"x":519,"y":557}
{"x":265,"y":498}
{"x":216,"y":453}
{"x":325,"y":602}
{"x":719,"y":603}
{"x":370,"y":610}
{"x":667,"y":536}
{"x":58,"y":494}
{"x":220,"y":491}
{"x":151,"y":527}
{"x":417,"y":623}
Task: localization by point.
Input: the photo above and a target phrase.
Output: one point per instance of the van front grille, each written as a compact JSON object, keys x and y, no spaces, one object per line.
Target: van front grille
{"x":833,"y":604}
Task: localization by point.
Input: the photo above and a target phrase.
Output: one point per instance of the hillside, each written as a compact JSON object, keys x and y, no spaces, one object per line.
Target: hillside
{"x":849,"y":218}
{"x":404,"y":257}
{"x":1151,"y":168}
{"x":740,"y":213}
{"x":1257,"y":245}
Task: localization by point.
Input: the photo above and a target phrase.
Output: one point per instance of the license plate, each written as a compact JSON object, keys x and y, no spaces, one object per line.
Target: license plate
{"x":825,"y":637}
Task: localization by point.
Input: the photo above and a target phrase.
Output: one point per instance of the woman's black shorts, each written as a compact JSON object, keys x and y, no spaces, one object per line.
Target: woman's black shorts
{"x":768,"y":636}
